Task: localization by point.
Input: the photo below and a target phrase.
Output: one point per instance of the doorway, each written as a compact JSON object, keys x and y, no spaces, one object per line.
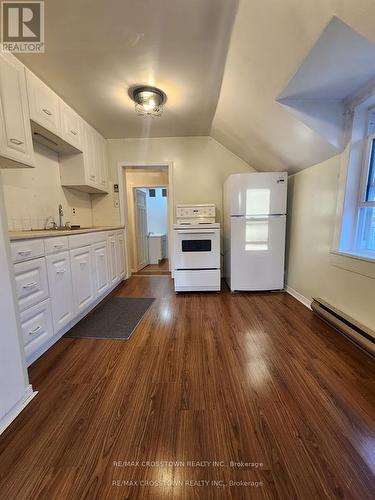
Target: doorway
{"x":146,"y":196}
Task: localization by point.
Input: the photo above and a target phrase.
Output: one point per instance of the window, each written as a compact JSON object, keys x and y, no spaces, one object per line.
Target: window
{"x":152,"y":193}
{"x":357,"y":227}
{"x":164,"y":192}
{"x":365,"y":240}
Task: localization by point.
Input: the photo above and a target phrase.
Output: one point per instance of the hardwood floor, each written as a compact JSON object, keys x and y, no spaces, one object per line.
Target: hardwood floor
{"x":251,"y":378}
{"x":155,"y":269}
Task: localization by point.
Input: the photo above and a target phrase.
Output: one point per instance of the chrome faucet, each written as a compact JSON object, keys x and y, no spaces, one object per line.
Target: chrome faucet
{"x":61,"y":215}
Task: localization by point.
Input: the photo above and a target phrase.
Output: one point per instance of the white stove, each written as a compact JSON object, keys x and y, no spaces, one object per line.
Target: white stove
{"x":196,"y":249}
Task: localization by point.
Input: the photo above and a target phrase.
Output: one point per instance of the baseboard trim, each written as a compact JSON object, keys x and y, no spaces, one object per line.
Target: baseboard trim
{"x":16,"y":410}
{"x":301,"y":298}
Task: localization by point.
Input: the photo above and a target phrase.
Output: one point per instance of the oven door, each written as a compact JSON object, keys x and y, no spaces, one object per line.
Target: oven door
{"x":197,"y":248}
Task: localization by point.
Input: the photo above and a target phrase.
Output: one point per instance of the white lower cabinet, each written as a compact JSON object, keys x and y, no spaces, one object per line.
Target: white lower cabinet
{"x":31,"y":282}
{"x":61,"y":290}
{"x":101,"y":273}
{"x":81,"y":262}
{"x":36,"y":325}
{"x":60,"y":279}
{"x":121,"y":254}
{"x":113,"y":265}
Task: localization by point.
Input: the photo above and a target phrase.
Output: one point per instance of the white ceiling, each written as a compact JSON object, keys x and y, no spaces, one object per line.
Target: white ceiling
{"x":96,"y":50}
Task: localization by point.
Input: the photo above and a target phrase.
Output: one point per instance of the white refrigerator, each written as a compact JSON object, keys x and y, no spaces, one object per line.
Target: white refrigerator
{"x":254,"y":230}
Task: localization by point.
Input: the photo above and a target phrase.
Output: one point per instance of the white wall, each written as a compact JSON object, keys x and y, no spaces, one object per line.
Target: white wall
{"x":157,"y":212}
{"x":313,"y":271}
{"x":201,"y":166}
{"x":31,"y":195}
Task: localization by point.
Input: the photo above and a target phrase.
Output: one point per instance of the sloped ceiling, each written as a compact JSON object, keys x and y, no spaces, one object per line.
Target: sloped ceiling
{"x":269,"y":42}
{"x":97,"y":49}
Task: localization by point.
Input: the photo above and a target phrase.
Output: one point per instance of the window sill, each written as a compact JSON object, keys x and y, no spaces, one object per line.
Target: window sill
{"x":355,"y":263}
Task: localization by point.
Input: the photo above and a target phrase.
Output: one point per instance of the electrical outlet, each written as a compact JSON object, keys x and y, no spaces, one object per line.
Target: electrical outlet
{"x":74,"y":211}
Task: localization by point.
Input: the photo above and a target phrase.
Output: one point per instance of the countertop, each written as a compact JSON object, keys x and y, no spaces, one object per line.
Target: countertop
{"x":49,"y":233}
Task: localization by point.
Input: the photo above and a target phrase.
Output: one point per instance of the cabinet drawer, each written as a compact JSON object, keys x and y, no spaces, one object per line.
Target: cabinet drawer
{"x":26,"y":249}
{"x":54,"y":245}
{"x":36,"y":325}
{"x":31,"y":282}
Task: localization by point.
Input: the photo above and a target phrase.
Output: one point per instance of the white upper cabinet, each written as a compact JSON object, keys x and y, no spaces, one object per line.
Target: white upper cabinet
{"x":88,"y":171}
{"x":43,"y":104}
{"x":70,"y":125}
{"x":16,"y":146}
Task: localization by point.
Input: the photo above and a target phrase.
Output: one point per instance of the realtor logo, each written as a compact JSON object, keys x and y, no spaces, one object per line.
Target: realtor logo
{"x":22,"y":26}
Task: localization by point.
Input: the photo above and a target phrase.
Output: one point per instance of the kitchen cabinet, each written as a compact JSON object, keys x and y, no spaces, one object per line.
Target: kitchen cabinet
{"x":61,"y":290}
{"x":101,"y":272}
{"x":43,"y":104}
{"x":16,"y":146}
{"x":70,"y":125}
{"x":88,"y":171}
{"x":113,"y":259}
{"x":36,"y":326}
{"x":83,"y":281}
{"x":31,"y":282}
{"x":121,"y":254}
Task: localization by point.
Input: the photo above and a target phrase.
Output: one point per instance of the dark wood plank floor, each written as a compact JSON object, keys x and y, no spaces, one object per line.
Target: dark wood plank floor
{"x":206,"y":377}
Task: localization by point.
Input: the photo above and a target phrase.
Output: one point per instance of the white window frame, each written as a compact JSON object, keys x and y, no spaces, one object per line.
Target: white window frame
{"x":359,"y":243}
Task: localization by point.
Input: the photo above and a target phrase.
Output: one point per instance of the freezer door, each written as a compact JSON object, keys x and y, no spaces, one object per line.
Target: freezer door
{"x":257,"y":253}
{"x":261,"y":193}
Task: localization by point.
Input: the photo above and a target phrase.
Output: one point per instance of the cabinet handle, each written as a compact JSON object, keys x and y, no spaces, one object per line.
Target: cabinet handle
{"x":101,"y":255}
{"x":92,"y":176}
{"x":35,"y":330}
{"x":30,"y":285}
{"x":83,"y":263}
{"x":60,"y":271}
{"x":16,"y":141}
{"x":59,"y":245}
{"x":24,"y":252}
{"x":73,"y":132}
{"x":47,"y":111}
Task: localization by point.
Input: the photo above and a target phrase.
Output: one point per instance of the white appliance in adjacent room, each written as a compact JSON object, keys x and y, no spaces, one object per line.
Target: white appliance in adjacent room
{"x":254,"y":230}
{"x":196,"y":249}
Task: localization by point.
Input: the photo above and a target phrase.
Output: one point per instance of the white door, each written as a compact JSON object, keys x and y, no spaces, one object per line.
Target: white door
{"x":15,"y":132}
{"x":260,"y":193}
{"x":82,"y":277}
{"x":61,"y":290}
{"x":100,"y":251}
{"x":257,"y":253}
{"x":141,"y":228}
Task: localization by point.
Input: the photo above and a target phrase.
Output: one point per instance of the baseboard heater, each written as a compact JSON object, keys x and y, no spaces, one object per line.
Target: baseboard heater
{"x":346,"y":325}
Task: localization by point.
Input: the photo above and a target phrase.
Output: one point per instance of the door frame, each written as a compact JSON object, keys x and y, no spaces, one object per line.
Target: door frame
{"x":123,"y":201}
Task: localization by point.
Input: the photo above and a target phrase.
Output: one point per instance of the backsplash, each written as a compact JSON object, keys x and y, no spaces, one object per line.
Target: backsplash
{"x":32,"y":195}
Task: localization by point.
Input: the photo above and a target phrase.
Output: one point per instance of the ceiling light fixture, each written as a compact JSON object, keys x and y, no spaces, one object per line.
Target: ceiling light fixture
{"x":149,"y":101}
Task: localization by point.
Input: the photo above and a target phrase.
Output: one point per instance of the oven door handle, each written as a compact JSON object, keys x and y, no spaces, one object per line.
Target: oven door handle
{"x":189,"y":231}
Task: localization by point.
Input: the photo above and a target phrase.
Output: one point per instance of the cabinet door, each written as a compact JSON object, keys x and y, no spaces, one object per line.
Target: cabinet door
{"x":15,"y":133}
{"x":36,"y":326}
{"x":70,"y":125}
{"x":82,"y":277}
{"x":113,"y":263}
{"x":60,"y":284}
{"x":103,"y":162}
{"x":101,"y":274}
{"x":43,"y":103}
{"x":31,"y":282}
{"x":89,"y":154}
{"x":121,"y":255}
